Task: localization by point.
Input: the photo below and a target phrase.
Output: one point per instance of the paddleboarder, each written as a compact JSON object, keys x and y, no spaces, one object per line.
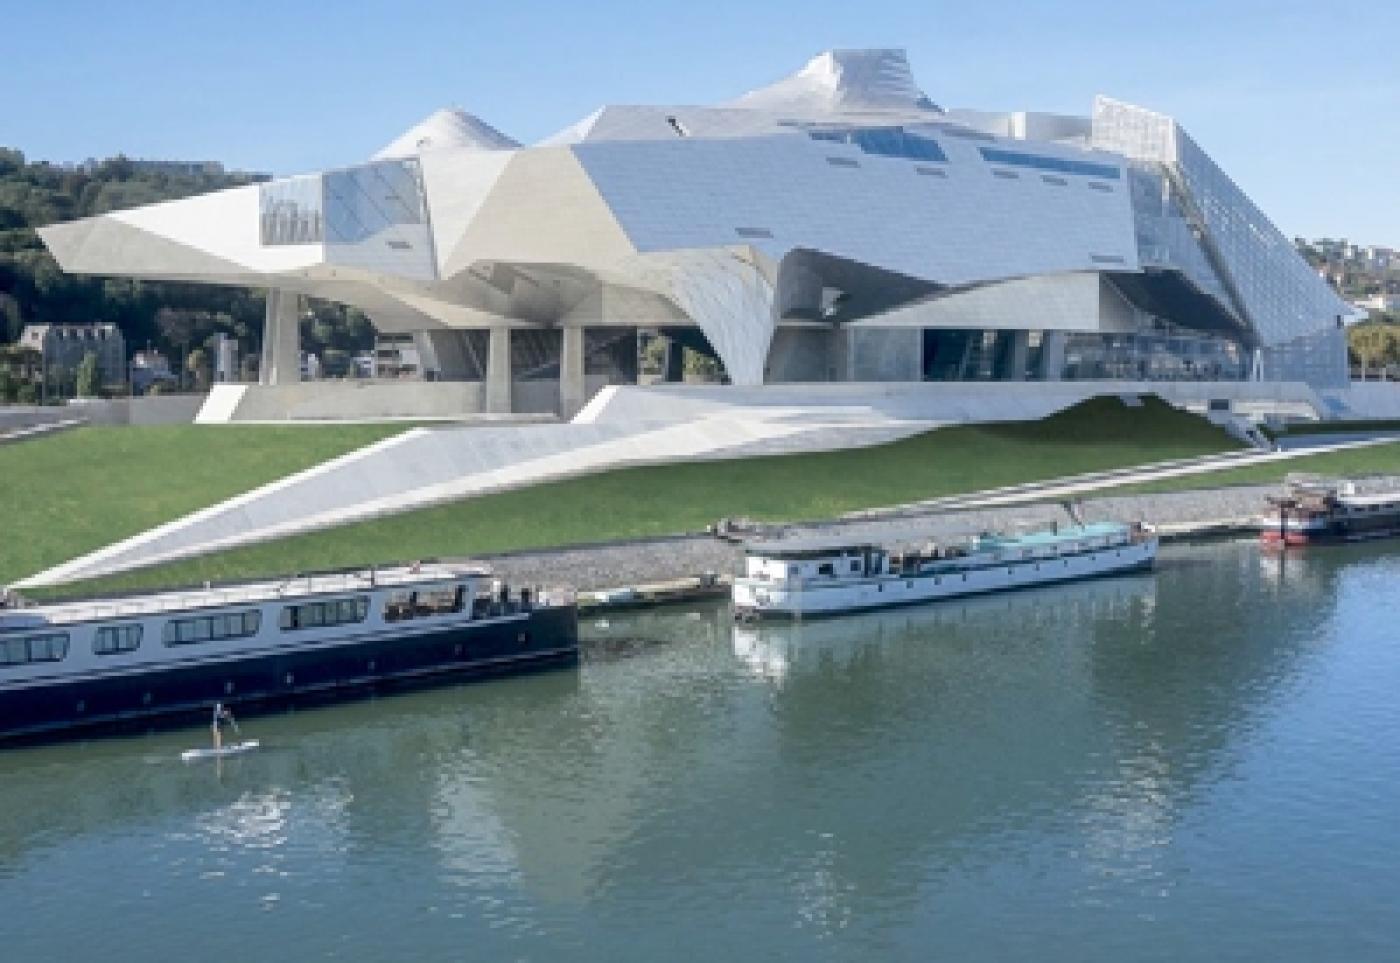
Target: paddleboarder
{"x":222,"y":716}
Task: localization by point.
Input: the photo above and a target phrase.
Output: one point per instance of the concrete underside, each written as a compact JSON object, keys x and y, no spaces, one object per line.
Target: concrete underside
{"x":622,"y":427}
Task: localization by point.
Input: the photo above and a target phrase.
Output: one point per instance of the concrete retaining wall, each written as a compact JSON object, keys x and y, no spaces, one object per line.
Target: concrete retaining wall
{"x":944,"y":402}
{"x":343,"y":401}
{"x":376,"y":400}
{"x":148,"y":410}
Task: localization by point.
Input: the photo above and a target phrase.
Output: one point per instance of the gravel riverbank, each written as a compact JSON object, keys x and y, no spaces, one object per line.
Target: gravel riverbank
{"x":656,"y":560}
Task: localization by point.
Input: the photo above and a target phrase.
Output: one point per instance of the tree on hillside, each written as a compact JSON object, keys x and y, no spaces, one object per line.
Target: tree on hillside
{"x":87,"y":377}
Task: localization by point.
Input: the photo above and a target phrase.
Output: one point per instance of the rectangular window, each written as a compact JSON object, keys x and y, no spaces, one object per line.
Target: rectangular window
{"x":212,"y":628}
{"x":399,"y":606}
{"x":426,"y":602}
{"x":290,"y":211}
{"x":1006,"y":175}
{"x":49,"y":647}
{"x":442,"y":601}
{"x":113,"y":639}
{"x":1106,"y":259}
{"x":930,"y":171}
{"x":1056,"y":181}
{"x":885,"y":142}
{"x":842,"y":162}
{"x":314,"y":615}
{"x":1096,"y":186}
{"x":1059,"y":165}
{"x":753,"y":232}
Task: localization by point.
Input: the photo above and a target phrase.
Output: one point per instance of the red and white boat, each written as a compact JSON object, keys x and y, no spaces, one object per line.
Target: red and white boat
{"x":1311,"y":511}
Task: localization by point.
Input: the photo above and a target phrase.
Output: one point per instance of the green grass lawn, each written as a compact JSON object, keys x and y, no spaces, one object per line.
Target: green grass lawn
{"x":632,"y":502}
{"x":74,"y":492}
{"x":1376,"y":460}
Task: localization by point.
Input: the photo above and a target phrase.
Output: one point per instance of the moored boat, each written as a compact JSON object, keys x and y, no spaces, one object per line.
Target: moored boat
{"x":804,"y":579}
{"x":1316,"y":510}
{"x":90,"y":664}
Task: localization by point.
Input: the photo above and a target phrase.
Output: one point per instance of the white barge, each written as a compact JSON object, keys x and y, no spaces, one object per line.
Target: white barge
{"x":97,"y":664}
{"x":805,"y":579}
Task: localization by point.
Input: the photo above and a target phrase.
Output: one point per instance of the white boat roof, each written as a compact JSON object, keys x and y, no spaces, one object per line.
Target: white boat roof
{"x":242,"y":593}
{"x":817,"y":547}
{"x":807,"y":547}
{"x":1388,"y":498}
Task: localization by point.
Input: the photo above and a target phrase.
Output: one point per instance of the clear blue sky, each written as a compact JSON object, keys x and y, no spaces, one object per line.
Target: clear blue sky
{"x":1298,"y":101}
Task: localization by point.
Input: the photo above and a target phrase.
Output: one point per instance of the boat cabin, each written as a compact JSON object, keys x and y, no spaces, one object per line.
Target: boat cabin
{"x":814,"y":560}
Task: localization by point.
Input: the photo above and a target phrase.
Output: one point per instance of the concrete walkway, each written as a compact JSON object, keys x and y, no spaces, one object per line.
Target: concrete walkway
{"x":1075,"y":486}
{"x":39,"y":431}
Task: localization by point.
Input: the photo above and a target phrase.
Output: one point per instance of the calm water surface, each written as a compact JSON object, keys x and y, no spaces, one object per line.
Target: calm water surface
{"x":1198,"y":764}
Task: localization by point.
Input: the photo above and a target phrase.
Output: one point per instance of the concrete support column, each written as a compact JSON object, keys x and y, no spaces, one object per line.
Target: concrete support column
{"x":498,"y":372}
{"x":675,"y":362}
{"x":1017,"y":357}
{"x":571,"y":372}
{"x":1052,"y":355}
{"x":281,"y":347}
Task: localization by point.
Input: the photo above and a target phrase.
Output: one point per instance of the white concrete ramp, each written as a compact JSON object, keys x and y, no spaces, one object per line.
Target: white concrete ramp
{"x":429,"y":466}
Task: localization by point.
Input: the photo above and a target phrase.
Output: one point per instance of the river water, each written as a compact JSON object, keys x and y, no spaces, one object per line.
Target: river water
{"x":1201,"y":763}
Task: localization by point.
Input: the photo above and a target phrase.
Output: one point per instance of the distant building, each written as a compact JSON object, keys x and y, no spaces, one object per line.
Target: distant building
{"x":1381,"y":258}
{"x":225,"y":359}
{"x":65,"y":346}
{"x":396,"y":356}
{"x":1379,"y":302}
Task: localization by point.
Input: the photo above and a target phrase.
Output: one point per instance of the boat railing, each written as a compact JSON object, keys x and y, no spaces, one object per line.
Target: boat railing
{"x":298,"y":586}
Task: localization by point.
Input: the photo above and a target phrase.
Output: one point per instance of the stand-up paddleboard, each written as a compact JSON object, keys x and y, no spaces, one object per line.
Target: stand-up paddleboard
{"x":233,"y":749}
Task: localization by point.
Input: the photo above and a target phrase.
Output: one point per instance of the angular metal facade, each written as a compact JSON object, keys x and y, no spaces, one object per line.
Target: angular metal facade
{"x":840,"y":197}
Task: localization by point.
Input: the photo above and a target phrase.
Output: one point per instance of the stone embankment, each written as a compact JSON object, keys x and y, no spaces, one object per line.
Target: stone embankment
{"x":657,"y":560}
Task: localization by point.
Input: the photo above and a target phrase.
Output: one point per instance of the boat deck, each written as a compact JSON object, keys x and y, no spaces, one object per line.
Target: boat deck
{"x":244,"y":593}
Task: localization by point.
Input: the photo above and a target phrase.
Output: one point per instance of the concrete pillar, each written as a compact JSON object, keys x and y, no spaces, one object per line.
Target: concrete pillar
{"x":444,"y":353}
{"x":1017,"y":356}
{"x":281,"y":347}
{"x":498,"y":371}
{"x":571,"y":372}
{"x":1052,"y":355}
{"x":675,"y":362}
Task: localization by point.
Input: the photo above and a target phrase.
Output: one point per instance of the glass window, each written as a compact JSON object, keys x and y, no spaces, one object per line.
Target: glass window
{"x":885,"y":142}
{"x":440,"y":601}
{"x":1060,"y":165}
{"x":317,"y":614}
{"x":398,"y":606}
{"x":209,"y":628}
{"x":14,"y":652}
{"x":290,"y":211}
{"x":113,"y":639}
{"x":50,"y":647}
{"x":361,"y":202}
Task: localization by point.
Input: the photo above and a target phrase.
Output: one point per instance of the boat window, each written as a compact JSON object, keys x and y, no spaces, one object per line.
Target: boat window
{"x":212,"y":628}
{"x":415,"y":605}
{"x":398,"y":606}
{"x":441,"y":601}
{"x":114,"y":639}
{"x":49,"y":647}
{"x":855,"y":566}
{"x":826,"y":568}
{"x":313,"y":615}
